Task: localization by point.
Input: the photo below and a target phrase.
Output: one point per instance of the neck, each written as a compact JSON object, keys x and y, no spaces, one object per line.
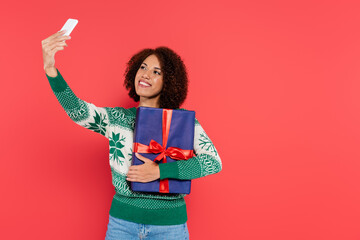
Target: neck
{"x":149,"y":102}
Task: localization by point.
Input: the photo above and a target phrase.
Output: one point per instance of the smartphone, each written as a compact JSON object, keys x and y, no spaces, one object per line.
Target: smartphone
{"x":69,"y":26}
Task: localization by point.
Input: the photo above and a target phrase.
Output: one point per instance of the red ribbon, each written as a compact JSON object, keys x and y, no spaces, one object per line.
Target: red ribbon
{"x":155,"y":147}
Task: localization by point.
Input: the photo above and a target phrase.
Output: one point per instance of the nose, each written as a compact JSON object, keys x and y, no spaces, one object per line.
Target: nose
{"x":146,"y":74}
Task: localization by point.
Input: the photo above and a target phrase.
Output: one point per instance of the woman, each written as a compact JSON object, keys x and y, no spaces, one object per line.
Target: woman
{"x":154,"y":78}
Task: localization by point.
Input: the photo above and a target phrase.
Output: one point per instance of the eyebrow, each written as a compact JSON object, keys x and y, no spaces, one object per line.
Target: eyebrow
{"x":154,"y":67}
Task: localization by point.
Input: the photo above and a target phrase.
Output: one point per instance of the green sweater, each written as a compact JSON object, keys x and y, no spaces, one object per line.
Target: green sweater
{"x":117,"y":125}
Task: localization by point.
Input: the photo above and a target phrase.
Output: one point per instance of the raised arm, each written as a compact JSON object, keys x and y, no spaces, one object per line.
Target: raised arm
{"x":83,"y":113}
{"x":207,"y":160}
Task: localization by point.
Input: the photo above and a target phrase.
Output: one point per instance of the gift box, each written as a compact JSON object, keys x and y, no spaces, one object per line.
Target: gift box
{"x":164,"y":136}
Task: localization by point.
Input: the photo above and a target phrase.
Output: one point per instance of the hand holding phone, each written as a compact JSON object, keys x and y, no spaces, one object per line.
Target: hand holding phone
{"x":55,"y":43}
{"x":69,"y":26}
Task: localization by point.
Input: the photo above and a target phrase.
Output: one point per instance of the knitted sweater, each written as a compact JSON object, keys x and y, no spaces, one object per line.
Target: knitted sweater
{"x":117,"y":125}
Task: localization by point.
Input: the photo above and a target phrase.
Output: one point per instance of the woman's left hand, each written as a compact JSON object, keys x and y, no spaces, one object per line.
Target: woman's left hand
{"x":147,"y":172}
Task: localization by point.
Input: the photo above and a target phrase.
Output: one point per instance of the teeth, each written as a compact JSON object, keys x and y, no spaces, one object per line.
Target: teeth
{"x":145,"y":84}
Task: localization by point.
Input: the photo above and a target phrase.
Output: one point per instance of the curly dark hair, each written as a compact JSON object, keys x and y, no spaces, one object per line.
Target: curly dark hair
{"x":175,"y":78}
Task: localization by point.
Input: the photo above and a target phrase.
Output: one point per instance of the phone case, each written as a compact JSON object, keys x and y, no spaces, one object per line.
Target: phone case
{"x":69,"y":26}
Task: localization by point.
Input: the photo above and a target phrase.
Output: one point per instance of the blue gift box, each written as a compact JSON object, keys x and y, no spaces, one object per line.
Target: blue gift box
{"x":150,"y":126}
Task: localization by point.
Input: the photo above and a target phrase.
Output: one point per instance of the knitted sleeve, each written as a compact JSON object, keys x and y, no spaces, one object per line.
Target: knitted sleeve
{"x":82,"y":113}
{"x":207,"y":160}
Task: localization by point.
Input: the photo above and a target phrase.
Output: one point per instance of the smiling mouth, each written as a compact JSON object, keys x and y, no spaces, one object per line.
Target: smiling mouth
{"x":144,"y":84}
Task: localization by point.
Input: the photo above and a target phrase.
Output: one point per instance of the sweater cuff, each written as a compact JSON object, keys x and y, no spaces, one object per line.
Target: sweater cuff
{"x":169,"y":170}
{"x":57,"y":83}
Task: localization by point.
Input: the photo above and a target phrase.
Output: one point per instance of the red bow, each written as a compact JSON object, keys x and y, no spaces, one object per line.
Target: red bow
{"x":155,"y":147}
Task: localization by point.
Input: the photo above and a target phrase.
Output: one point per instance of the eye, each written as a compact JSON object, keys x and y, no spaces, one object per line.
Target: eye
{"x":142,"y":67}
{"x":157,"y":72}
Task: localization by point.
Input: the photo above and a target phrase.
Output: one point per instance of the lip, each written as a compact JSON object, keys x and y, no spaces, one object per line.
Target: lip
{"x":140,"y":85}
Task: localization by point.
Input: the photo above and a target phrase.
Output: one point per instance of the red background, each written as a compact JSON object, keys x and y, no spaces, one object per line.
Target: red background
{"x":275,"y":85}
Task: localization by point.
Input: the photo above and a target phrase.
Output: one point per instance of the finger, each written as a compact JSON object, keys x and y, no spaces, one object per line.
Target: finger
{"x":137,"y":179}
{"x":56,"y":47}
{"x":57,"y":34}
{"x":142,"y":158}
{"x":58,"y":44}
{"x":147,"y":160}
{"x":132,"y":179}
{"x":63,"y":38}
{"x":131,"y":175}
{"x":134,"y":172}
{"x":52,"y":52}
{"x":133,"y":168}
{"x":51,"y":46}
{"x":54,"y":43}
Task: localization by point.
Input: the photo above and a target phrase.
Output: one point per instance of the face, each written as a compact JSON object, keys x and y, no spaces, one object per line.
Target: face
{"x":149,"y":78}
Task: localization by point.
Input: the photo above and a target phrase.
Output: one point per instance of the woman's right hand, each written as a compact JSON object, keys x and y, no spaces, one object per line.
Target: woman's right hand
{"x":50,"y":46}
